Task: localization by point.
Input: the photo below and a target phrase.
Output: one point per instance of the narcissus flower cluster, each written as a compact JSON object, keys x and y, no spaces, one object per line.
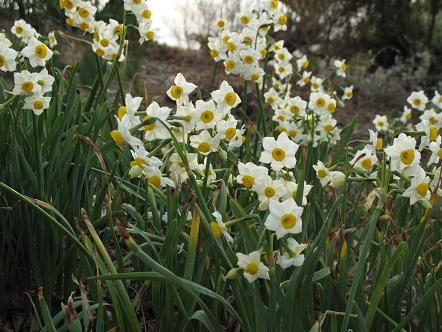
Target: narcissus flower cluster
{"x":33,"y":81}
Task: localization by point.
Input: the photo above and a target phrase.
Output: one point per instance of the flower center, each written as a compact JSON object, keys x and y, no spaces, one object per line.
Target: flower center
{"x":344,"y":67}
{"x":122,"y":112}
{"x":328,"y":127}
{"x":379,"y":144}
{"x":19,"y":30}
{"x":99,"y":52}
{"x":293,"y":133}
{"x":230,"y":99}
{"x":282,"y":20}
{"x":204,"y":147}
{"x":154,"y":180}
{"x":84,"y":26}
{"x":41,"y":51}
{"x":416,"y":102}
{"x":433,"y":120}
{"x":147,"y":13}
{"x":320,"y":102}
{"x":207,"y":116}
{"x":251,"y":268}
{"x":176,"y":92}
{"x":230,"y":133}
{"x":433,"y":133}
{"x":381,"y":123}
{"x":2,"y":60}
{"x":278,"y":154}
{"x":288,"y":220}
{"x":408,"y":116}
{"x":150,"y":35}
{"x":407,"y":156}
{"x":244,"y":20}
{"x":38,"y":105}
{"x":331,"y":107}
{"x":104,"y":42}
{"x":217,"y":231}
{"x":230,"y":64}
{"x":248,"y":59}
{"x":83,"y":12}
{"x":117,"y":137}
{"x":27,"y":86}
{"x":254,"y":77}
{"x":214,"y":53}
{"x":305,"y":64}
{"x":294,"y":109}
{"x":148,"y":127}
{"x":248,"y":181}
{"x":439,"y":153}
{"x":422,"y":188}
{"x":269,"y":192}
{"x":322,"y":173}
{"x":366,"y":163}
{"x":140,"y":162}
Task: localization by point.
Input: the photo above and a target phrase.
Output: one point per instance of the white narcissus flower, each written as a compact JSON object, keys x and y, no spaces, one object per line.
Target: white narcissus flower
{"x":180,"y":91}
{"x":419,"y":187}
{"x":252,"y":266}
{"x":37,"y":52}
{"x":267,"y":190}
{"x":188,"y":116}
{"x":348,"y":93}
{"x":294,"y":257}
{"x":302,"y":63}
{"x":219,"y":227}
{"x":319,"y":102}
{"x":251,"y":174}
{"x":381,"y":122}
{"x":376,"y":142}
{"x":418,"y":100}
{"x":45,"y":80}
{"x":271,"y":97}
{"x":305,"y":79}
{"x":284,"y":217}
{"x":177,"y":167}
{"x":207,"y":114}
{"x":279,"y":153}
{"x":404,"y":156}
{"x":155,"y":178}
{"x":296,"y":106}
{"x":225,"y":98}
{"x":52,"y":39}
{"x":316,"y":84}
{"x":130,"y":109}
{"x":7,"y":58}
{"x":365,"y":159}
{"x":406,"y":115}
{"x":37,"y":103}
{"x":204,"y":142}
{"x":432,"y":117}
{"x":431,"y":133}
{"x":156,"y":129}
{"x":141,"y":159}
{"x":26,"y":83}
{"x":123,"y":135}
{"x":437,"y":100}
{"x":322,"y":173}
{"x":436,"y":151}
{"x":291,"y":189}
{"x":341,"y":67}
